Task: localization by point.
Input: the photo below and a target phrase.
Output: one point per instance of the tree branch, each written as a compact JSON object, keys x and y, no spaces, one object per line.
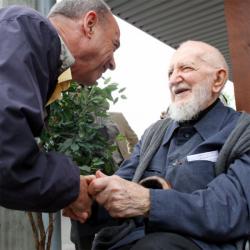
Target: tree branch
{"x":50,"y":230}
{"x":34,"y":229}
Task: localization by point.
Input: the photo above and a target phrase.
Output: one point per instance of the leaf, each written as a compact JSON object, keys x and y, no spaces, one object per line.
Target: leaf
{"x":107,"y":81}
{"x":98,"y":162}
{"x":74,"y":147}
{"x":121,"y":90}
{"x":72,"y":127}
{"x":115,"y":100}
{"x":85,"y":168}
{"x":66,"y":144}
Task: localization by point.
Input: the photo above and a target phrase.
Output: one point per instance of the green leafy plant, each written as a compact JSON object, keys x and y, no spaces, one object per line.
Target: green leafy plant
{"x":73,"y":128}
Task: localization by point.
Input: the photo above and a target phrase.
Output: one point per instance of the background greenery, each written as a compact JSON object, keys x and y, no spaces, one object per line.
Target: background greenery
{"x":72,"y":128}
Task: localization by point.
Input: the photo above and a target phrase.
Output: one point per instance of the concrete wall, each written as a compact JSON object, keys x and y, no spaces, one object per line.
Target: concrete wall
{"x":15,"y":231}
{"x":42,"y":6}
{"x":31,"y":3}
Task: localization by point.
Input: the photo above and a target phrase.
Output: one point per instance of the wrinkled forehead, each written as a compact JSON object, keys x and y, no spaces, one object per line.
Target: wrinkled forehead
{"x":186,"y":55}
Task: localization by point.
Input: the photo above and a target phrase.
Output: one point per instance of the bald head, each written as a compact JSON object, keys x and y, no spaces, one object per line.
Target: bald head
{"x":206,"y":53}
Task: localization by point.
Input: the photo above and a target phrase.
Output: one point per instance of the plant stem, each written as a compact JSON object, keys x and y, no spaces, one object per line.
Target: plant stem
{"x":50,"y":230}
{"x":41,"y":230}
{"x":34,"y":229}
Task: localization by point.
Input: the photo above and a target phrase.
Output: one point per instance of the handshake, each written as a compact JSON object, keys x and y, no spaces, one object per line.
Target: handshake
{"x":121,"y":198}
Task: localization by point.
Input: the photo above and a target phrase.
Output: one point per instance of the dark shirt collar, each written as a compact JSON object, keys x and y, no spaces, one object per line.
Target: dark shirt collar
{"x":199,"y":116}
{"x":170,"y":130}
{"x":207,"y":123}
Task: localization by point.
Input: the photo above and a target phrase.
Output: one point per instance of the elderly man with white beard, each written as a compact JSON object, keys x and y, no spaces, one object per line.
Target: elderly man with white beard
{"x":199,"y":208}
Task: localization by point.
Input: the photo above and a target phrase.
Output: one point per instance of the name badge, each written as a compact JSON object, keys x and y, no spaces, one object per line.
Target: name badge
{"x":207,"y":156}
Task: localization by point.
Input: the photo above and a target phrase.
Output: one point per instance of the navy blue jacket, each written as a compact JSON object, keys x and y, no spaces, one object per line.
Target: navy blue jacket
{"x":29,"y":63}
{"x":214,"y":211}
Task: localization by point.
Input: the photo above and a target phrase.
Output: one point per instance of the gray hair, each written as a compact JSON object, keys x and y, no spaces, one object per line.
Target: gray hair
{"x":74,"y":9}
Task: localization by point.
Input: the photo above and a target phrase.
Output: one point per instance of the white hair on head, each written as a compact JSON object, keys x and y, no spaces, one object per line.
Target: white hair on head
{"x":74,"y":9}
{"x":209,"y":54}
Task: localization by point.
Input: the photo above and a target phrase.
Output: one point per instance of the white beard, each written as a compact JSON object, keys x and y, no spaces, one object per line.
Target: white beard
{"x":188,"y":110}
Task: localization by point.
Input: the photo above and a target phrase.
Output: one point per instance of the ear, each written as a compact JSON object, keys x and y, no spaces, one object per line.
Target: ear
{"x":220,"y":80}
{"x":89,"y":21}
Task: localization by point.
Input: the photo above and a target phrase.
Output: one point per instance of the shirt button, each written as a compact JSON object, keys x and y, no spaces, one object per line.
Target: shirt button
{"x":186,"y":135}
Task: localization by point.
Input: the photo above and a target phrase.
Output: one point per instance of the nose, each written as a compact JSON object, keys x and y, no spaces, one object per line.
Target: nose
{"x":112,"y":64}
{"x":175,"y":77}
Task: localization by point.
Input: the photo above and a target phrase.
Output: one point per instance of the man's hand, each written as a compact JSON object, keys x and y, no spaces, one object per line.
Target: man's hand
{"x":80,"y":209}
{"x":120,"y":197}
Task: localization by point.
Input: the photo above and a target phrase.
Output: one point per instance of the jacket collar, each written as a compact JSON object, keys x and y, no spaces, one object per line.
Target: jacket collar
{"x":212,"y":122}
{"x":208,"y":125}
{"x":169,"y":132}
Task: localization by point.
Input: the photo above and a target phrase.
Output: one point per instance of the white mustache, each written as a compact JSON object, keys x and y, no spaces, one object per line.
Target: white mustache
{"x":175,"y":88}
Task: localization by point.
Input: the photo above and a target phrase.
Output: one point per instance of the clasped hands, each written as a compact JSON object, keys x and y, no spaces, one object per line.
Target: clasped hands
{"x":121,"y":198}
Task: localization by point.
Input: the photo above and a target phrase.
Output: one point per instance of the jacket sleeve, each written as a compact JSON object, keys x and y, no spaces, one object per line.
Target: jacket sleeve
{"x":218,"y":213}
{"x":30,"y":179}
